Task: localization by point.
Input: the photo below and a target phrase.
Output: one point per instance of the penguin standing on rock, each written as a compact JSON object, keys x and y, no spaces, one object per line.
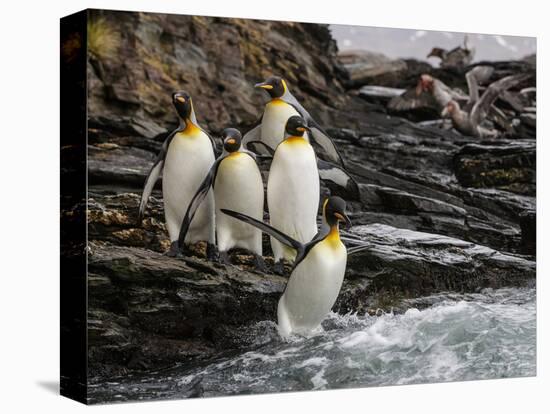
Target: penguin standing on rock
{"x":318,"y":271}
{"x":237,"y":183}
{"x":185,"y":158}
{"x":293,"y":190}
{"x":283,"y":105}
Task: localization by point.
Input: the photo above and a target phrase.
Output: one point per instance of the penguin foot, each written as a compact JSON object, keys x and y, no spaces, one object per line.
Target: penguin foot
{"x":279,"y":267}
{"x":174,"y":249}
{"x":224,"y":258}
{"x":259,"y":264}
{"x":211,"y":252}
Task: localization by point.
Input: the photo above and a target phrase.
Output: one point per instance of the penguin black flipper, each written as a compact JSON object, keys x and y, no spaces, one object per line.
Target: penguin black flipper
{"x":266,"y":228}
{"x":319,"y":237}
{"x":154,"y":174}
{"x":254,"y":135}
{"x":331,"y":173}
{"x":320,"y":137}
{"x":254,"y":145}
{"x":197,"y":199}
{"x":318,"y":134}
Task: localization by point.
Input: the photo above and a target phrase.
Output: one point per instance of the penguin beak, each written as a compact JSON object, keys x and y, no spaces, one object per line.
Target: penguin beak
{"x":180,"y":99}
{"x":343,"y":218}
{"x":264,"y":85}
{"x":231,"y":141}
{"x":303,"y":129}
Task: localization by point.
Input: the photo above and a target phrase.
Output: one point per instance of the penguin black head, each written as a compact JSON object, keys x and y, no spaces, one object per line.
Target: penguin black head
{"x":231,"y":139}
{"x":334,"y":211}
{"x":182,"y":103}
{"x":274,"y":85}
{"x":296,"y":126}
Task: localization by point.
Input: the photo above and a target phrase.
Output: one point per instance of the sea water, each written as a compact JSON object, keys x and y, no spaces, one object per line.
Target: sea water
{"x":460,"y":337}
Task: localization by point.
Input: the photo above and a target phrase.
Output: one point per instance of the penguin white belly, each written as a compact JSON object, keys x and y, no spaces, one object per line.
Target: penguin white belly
{"x":312,"y":288}
{"x":293,"y":194}
{"x":239,"y":187}
{"x":188,"y":160}
{"x":276,"y":114}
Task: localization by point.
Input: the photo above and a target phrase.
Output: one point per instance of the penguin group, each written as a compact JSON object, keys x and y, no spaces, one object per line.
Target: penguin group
{"x":219,"y":199}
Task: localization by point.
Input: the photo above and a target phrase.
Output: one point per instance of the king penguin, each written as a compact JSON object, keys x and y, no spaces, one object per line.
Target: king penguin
{"x":237,"y":183}
{"x":293,"y":190}
{"x":283,"y":105}
{"x":184,"y":160}
{"x":318,"y":271}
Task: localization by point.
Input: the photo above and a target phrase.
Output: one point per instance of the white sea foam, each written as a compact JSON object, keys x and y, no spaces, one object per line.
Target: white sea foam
{"x":487,"y":335}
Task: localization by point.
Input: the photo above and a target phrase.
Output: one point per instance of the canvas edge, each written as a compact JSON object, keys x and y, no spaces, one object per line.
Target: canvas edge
{"x":73,"y":185}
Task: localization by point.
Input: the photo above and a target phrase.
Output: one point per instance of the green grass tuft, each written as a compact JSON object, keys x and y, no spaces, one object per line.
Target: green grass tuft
{"x":103,"y":40}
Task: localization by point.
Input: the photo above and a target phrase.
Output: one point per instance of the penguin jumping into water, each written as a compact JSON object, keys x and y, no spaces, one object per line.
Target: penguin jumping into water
{"x":237,"y":183}
{"x":317,"y":274}
{"x":293,"y":190}
{"x":185,"y":158}
{"x":283,"y":105}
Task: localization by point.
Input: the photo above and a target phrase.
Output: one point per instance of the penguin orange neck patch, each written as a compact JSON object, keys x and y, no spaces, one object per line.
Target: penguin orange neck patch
{"x":296,"y":140}
{"x":277,"y":101}
{"x":234,"y":155}
{"x":190,"y":128}
{"x":333,"y":238}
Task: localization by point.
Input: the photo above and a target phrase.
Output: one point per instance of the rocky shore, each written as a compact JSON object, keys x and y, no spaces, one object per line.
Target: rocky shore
{"x":438,"y":211}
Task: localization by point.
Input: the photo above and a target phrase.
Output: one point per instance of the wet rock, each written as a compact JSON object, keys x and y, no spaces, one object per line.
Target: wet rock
{"x":379,"y":94}
{"x":403,"y":201}
{"x":498,"y":203}
{"x":365,"y":67}
{"x":153,"y":311}
{"x":113,"y":164}
{"x":397,"y":263}
{"x":113,"y":218}
{"x":505,"y":165}
{"x":148,"y":311}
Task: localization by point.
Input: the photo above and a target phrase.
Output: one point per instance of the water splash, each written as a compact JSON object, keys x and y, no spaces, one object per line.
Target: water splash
{"x":475,"y":336}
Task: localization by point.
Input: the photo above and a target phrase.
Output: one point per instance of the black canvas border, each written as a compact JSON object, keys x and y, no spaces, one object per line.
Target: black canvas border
{"x":73,"y":221}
